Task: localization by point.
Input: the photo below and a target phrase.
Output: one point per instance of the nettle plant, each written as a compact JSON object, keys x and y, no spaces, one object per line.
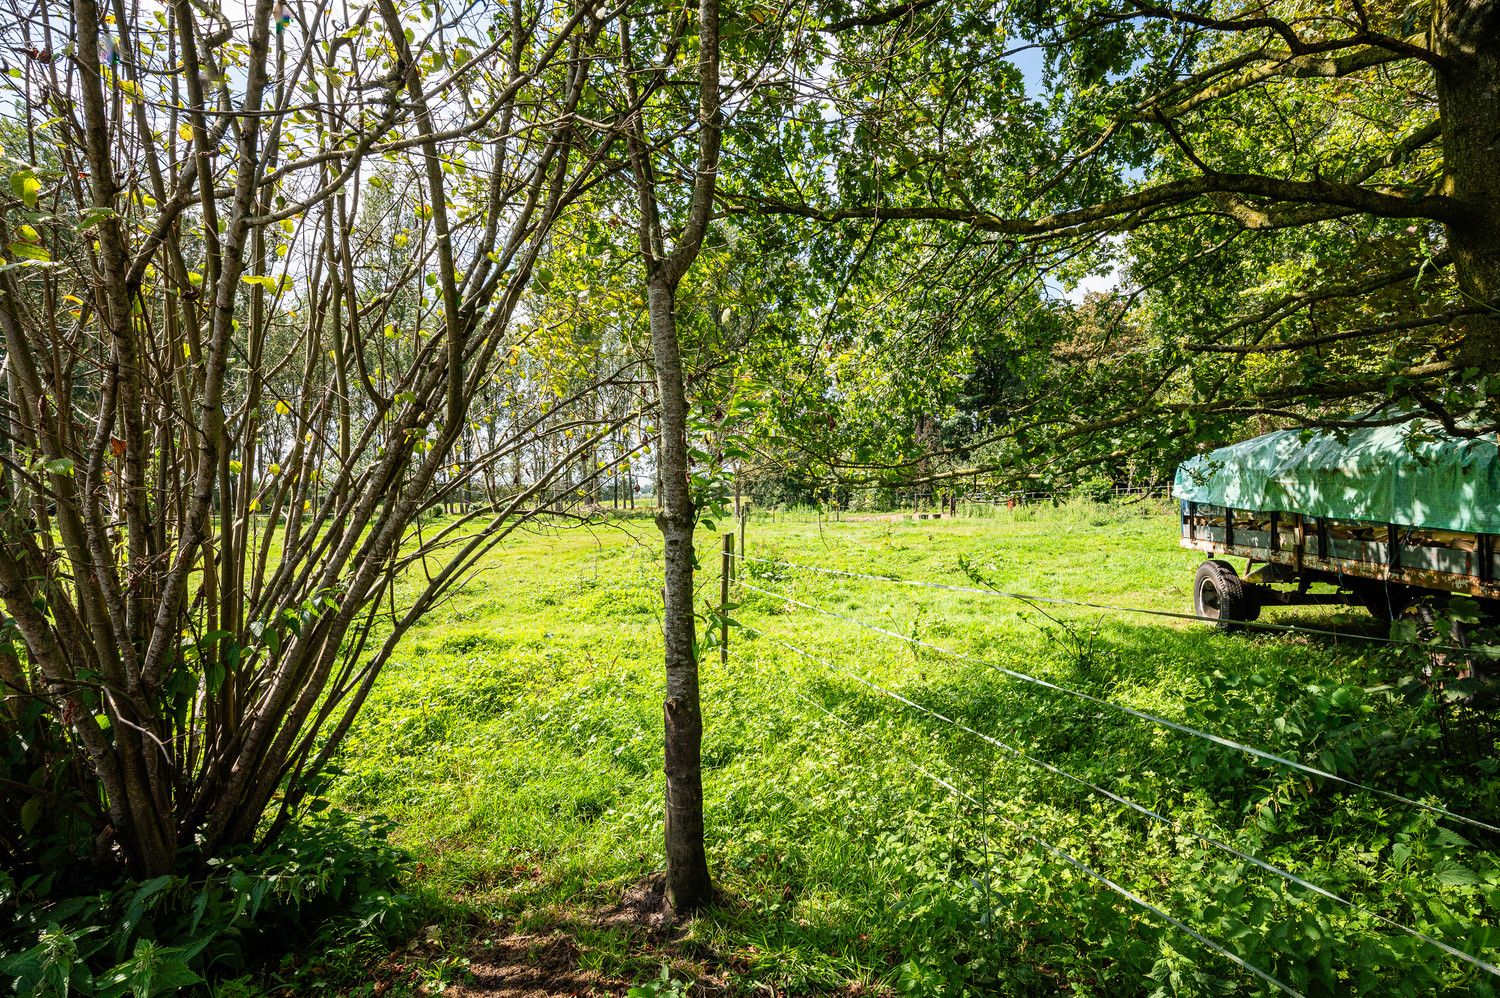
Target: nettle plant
{"x":260,"y":310}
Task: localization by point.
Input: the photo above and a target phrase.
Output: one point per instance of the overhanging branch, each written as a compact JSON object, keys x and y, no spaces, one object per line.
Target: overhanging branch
{"x":1140,"y":203}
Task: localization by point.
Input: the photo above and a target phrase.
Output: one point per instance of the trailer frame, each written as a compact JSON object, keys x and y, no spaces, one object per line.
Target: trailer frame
{"x":1384,"y":566}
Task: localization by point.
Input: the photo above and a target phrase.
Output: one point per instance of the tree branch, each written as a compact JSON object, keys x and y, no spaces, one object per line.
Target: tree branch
{"x":1140,"y":203}
{"x":876,"y":18}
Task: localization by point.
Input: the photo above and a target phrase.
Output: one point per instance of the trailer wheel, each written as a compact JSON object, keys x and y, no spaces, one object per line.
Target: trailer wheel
{"x":1218,"y":594}
{"x":1384,"y":600}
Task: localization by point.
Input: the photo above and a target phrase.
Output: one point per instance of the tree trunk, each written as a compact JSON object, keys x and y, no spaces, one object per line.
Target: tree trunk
{"x":688,"y":885}
{"x":13,"y":683}
{"x":1466,"y":35}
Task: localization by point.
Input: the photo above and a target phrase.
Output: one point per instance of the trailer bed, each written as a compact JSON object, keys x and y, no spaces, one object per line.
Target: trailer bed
{"x":1420,"y":557}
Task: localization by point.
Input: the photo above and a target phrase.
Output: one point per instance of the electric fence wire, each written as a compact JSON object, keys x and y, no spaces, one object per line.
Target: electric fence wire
{"x":1025,"y":831}
{"x":1004,"y":498}
{"x":1142,"y":809}
{"x":1186,"y":729}
{"x":1254,"y":625}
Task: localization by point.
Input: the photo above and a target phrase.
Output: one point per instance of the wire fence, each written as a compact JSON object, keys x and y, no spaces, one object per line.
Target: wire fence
{"x":1204,"y":840}
{"x":1029,"y":834}
{"x":1036,"y":600}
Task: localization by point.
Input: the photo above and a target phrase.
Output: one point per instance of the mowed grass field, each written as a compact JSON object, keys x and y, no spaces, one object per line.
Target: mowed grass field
{"x":863,"y":846}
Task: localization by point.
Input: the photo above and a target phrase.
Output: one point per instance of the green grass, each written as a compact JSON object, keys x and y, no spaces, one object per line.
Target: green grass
{"x":516,"y":741}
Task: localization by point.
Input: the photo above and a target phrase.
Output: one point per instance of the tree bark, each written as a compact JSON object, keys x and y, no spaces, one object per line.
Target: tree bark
{"x":688,"y":884}
{"x":1466,"y":37}
{"x":13,"y":684}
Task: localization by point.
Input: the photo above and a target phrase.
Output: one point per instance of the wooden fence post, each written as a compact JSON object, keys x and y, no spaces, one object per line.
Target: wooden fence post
{"x":726,"y":569}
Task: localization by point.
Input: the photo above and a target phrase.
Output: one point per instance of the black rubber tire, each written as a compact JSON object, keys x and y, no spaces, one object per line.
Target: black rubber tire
{"x":1220,"y":595}
{"x":1385,"y":601}
{"x":1489,"y":612}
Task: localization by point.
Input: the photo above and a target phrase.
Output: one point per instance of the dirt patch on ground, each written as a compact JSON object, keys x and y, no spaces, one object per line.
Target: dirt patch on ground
{"x":497,"y":961}
{"x":644,"y":906}
{"x":519,"y":966}
{"x":890,"y":517}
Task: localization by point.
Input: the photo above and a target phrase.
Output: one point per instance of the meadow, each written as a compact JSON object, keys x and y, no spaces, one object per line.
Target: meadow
{"x":862,"y":845}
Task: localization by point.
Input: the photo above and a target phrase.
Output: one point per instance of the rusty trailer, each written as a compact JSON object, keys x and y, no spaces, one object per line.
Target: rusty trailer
{"x":1386,"y":515}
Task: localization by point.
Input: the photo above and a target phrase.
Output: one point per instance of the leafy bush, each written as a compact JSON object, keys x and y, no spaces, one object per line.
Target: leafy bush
{"x":1096,"y":489}
{"x":777,"y":491}
{"x":876,"y":500}
{"x":328,"y":884}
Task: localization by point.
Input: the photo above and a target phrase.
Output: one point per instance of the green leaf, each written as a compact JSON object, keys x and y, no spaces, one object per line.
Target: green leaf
{"x":91,"y":217}
{"x":1455,"y":875}
{"x":25,"y":185}
{"x":31,"y":813}
{"x":152,"y":970}
{"x":60,"y":466}
{"x":30,"y":251}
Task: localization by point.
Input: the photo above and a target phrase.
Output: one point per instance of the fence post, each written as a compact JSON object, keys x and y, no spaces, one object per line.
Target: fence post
{"x":726,"y":568}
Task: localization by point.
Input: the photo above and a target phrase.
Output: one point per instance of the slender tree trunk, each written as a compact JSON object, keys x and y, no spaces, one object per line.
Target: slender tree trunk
{"x":13,"y":684}
{"x":1466,"y":34}
{"x":688,"y":883}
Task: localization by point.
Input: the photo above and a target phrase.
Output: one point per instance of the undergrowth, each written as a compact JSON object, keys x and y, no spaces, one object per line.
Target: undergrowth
{"x":309,"y":914}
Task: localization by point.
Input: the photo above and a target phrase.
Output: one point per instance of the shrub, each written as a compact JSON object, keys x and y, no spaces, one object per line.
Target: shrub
{"x":328,"y":883}
{"x":1096,"y":489}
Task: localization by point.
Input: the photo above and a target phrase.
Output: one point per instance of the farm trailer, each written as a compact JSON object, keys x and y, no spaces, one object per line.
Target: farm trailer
{"x":1387,"y":514}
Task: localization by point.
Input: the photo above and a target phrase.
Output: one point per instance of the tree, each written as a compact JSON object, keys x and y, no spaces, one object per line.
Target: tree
{"x":257,"y":273}
{"x":1302,"y":220}
{"x":666,"y":262}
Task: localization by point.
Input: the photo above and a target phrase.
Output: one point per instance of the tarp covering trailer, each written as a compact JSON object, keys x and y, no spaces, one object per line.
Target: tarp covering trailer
{"x":1384,"y":513}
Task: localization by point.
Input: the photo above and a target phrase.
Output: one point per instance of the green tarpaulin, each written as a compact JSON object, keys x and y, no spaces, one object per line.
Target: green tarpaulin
{"x":1413,"y":474}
